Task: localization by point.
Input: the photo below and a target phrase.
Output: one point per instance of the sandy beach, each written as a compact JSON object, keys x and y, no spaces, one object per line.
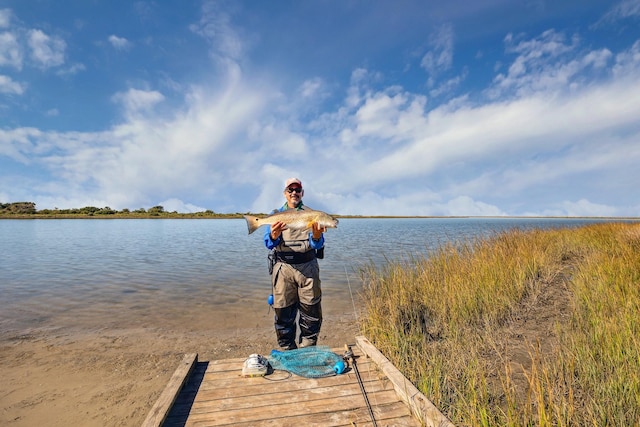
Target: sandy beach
{"x":65,"y":375}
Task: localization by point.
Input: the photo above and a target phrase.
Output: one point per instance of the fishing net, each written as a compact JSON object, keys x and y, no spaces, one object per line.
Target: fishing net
{"x":308,"y":362}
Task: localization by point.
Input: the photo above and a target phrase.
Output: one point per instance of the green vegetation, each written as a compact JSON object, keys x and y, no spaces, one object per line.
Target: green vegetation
{"x":522,"y":328}
{"x":18,"y":208}
{"x":28,"y":210}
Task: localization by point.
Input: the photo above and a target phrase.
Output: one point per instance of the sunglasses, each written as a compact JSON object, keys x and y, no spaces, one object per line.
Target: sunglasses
{"x":296,"y":189}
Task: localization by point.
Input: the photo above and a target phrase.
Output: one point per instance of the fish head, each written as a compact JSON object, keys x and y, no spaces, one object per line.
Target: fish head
{"x":326,"y":220}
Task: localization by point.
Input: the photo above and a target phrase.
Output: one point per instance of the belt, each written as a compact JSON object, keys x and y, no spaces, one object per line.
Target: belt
{"x":295,"y":257}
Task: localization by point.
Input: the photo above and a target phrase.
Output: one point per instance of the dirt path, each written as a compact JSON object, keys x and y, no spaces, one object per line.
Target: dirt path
{"x":532,"y":332}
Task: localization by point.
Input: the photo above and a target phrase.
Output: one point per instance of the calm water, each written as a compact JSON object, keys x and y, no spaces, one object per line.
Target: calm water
{"x":105,"y":271}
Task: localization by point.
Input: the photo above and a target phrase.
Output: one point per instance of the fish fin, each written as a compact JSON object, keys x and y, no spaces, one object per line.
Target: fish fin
{"x":252,"y":223}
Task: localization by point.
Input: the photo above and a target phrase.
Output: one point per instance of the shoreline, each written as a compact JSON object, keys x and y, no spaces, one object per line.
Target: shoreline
{"x":59,"y":375}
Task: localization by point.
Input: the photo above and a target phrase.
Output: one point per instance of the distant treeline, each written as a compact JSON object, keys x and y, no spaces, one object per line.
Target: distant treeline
{"x":28,"y":209}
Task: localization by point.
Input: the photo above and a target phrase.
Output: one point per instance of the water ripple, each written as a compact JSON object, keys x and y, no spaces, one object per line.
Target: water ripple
{"x":95,"y":269}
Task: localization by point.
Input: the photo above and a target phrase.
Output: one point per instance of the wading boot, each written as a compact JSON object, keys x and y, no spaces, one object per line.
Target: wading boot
{"x":310,"y":322}
{"x":285,"y":323}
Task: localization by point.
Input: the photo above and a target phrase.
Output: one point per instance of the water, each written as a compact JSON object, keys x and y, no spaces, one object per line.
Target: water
{"x":114,"y":271}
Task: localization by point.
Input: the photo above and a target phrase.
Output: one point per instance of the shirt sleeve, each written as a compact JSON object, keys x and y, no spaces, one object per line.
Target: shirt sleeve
{"x":316,"y":244}
{"x":268,"y":241}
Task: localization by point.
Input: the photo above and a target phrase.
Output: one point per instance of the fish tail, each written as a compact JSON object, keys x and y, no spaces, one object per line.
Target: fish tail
{"x":252,"y":223}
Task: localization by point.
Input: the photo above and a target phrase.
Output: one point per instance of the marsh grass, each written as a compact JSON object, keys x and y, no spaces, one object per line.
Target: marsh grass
{"x":535,"y":327}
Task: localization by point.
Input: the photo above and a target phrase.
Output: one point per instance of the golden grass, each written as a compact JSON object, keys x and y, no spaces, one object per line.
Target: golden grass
{"x":449,"y":322}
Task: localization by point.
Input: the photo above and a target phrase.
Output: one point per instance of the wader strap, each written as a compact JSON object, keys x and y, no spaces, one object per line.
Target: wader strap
{"x":295,"y":257}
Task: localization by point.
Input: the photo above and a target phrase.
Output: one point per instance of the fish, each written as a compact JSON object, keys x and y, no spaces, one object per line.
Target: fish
{"x":294,"y":219}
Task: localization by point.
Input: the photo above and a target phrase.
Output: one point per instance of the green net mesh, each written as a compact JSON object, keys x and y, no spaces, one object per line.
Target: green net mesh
{"x":308,"y":362}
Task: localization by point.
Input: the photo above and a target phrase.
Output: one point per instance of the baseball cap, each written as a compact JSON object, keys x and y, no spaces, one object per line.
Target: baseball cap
{"x":292,"y":181}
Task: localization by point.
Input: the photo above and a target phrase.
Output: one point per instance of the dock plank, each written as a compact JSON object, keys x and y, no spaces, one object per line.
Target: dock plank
{"x":420,"y":406}
{"x":216,"y":394}
{"x":161,"y":409}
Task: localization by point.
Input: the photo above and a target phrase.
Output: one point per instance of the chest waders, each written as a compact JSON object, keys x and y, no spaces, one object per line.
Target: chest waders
{"x":296,"y":291}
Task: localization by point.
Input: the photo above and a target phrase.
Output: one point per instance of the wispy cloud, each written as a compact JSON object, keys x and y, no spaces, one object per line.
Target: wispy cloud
{"x":120,"y":43}
{"x":71,"y":70}
{"x":136,"y":101}
{"x":549,"y":62}
{"x":439,"y":58}
{"x":47,"y":51}
{"x":146,"y":159}
{"x":552,"y":130}
{"x":8,"y":86}
{"x":5,"y":18}
{"x":10,"y":52}
{"x":215,"y":25}
{"x":621,"y":11}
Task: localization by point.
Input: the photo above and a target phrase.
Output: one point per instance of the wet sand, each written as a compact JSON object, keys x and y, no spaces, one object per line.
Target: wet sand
{"x":111,"y":370}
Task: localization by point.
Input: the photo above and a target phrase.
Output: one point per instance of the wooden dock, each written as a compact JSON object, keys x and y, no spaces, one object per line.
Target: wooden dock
{"x":214,"y":393}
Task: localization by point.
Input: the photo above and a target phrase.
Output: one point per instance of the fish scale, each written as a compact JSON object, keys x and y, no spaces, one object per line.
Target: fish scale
{"x":294,"y":219}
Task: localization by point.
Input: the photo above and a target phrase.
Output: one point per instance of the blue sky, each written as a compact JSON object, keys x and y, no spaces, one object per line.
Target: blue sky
{"x":424,"y":107}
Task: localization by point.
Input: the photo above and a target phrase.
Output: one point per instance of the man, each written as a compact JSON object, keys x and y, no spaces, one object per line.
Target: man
{"x":296,"y":275}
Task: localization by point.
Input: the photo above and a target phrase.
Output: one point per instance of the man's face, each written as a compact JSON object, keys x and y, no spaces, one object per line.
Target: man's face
{"x":293,"y":194}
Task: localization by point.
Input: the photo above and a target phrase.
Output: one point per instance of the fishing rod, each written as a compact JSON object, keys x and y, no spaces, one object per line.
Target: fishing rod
{"x":348,"y":354}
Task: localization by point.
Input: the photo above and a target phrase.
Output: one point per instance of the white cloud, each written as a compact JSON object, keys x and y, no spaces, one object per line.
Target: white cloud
{"x":283,"y":142}
{"x":199,"y":150}
{"x":7,"y":85}
{"x":465,"y":151}
{"x":462,"y":205}
{"x":215,"y":26}
{"x":10,"y":52}
{"x":623,"y":10}
{"x":20,"y":144}
{"x":177,"y":205}
{"x":562,"y":116}
{"x":312,"y":88}
{"x":67,"y":198}
{"x":71,"y":70}
{"x":439,"y":61}
{"x":584,"y":207}
{"x":454,"y":156}
{"x":120,"y":43}
{"x":440,"y":57}
{"x":627,"y":63}
{"x":448,"y":86}
{"x":388,"y":114}
{"x":5,"y":18}
{"x":137,"y":101}
{"x":517,"y":129}
{"x":542,"y":64}
{"x":46,"y":50}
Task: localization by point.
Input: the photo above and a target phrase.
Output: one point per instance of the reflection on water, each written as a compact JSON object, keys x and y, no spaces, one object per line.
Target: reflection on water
{"x":97,"y":272}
